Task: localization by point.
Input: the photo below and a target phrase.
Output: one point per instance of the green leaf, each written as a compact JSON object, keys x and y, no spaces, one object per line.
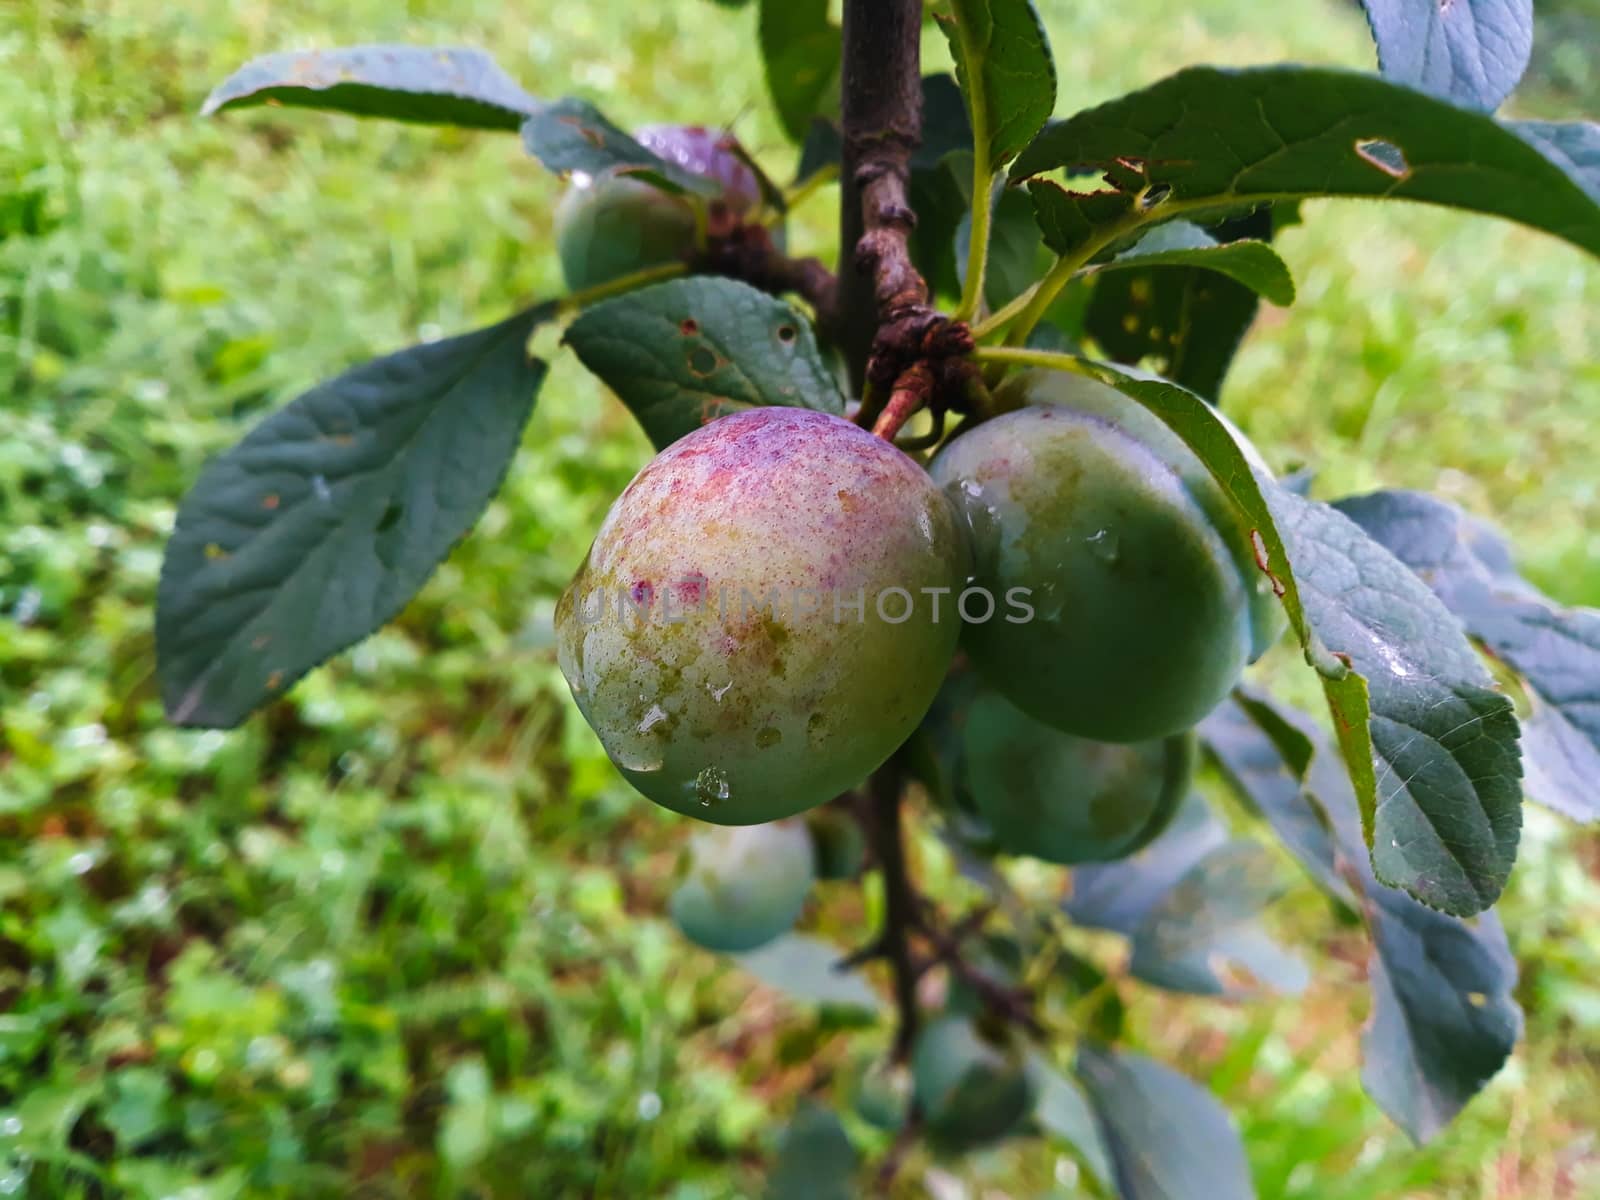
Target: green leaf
{"x":1409,"y":696}
{"x":1186,"y":320}
{"x":1204,"y":936}
{"x":1190,"y":904}
{"x":801,"y":49}
{"x":816,"y":1160}
{"x":1252,"y":263}
{"x":1444,"y":1015}
{"x":1017,"y":256}
{"x":1471,"y":52}
{"x":1166,"y":1132}
{"x":1210,"y":139}
{"x":1005,"y":69}
{"x":572,"y":135}
{"x":1118,"y":896}
{"x":1447,"y":808}
{"x":806,"y":969}
{"x":324,"y":521}
{"x":683,"y":353}
{"x":432,"y":85}
{"x":1063,"y":1110}
{"x":1574,"y":146}
{"x":1555,"y":650}
{"x":1246,"y":738}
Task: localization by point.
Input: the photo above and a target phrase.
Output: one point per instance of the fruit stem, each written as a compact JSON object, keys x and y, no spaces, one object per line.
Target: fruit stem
{"x":1024,"y":312}
{"x":577,"y":301}
{"x":1020,"y":356}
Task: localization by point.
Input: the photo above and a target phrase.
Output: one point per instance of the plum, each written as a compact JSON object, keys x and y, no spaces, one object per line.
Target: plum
{"x":1067,"y":799}
{"x":746,"y":885}
{"x":765,"y":614}
{"x":610,"y":225}
{"x":1146,"y":599}
{"x":969,"y":1090}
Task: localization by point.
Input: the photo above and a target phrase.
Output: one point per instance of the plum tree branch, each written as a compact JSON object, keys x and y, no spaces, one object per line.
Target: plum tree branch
{"x":900,"y":903}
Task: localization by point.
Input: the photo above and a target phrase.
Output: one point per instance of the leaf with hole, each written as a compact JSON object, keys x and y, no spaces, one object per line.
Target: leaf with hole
{"x":1004,"y":65}
{"x":432,"y":85}
{"x":682,"y":353}
{"x":1182,"y":299}
{"x":324,"y":521}
{"x":1555,"y":650}
{"x":1211,"y":140}
{"x":572,"y":136}
{"x":1164,"y":1130}
{"x":1252,"y":263}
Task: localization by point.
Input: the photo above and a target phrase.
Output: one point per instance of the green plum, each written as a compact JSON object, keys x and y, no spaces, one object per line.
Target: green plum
{"x":969,"y":1090}
{"x":1067,"y":799}
{"x":745,"y":886}
{"x":611,"y":225}
{"x":1146,"y":601}
{"x":764,"y":615}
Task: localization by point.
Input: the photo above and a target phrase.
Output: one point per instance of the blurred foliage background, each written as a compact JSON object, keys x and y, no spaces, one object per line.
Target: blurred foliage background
{"x":402,"y":934}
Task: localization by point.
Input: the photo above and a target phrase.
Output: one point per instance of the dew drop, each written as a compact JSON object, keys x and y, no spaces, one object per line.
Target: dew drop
{"x":11,"y":1126}
{"x":1103,"y":545}
{"x":711,"y":786}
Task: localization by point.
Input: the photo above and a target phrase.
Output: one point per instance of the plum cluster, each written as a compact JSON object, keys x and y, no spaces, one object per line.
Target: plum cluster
{"x":772,"y":605}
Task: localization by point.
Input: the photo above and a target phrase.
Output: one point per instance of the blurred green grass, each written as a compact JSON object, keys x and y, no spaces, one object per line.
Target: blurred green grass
{"x":401,"y":935}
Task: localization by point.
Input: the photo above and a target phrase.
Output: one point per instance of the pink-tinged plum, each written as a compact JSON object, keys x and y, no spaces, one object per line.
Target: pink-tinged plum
{"x":1067,"y":799}
{"x":1147,"y":602}
{"x":745,"y":885}
{"x":612,"y":225}
{"x":765,"y":614}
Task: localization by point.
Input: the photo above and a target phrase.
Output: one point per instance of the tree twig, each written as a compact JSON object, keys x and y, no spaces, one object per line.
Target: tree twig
{"x":899,"y":900}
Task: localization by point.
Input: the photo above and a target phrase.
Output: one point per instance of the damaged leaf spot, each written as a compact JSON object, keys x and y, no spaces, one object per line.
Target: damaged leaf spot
{"x":270,"y":500}
{"x":215,"y":552}
{"x":1258,"y":546}
{"x":274,"y":681}
{"x":787,"y":334}
{"x":1386,"y":156}
{"x":702,"y":362}
{"x":1153,"y":195}
{"x":688,"y":327}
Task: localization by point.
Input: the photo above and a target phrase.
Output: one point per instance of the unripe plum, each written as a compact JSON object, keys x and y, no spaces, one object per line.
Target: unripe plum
{"x":611,"y":225}
{"x":752,"y":632}
{"x":969,"y":1090}
{"x":746,"y":885}
{"x":1066,"y":799}
{"x":1147,"y":602}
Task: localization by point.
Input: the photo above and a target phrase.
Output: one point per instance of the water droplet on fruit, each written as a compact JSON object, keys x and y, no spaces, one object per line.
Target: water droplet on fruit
{"x":1103,"y":544}
{"x":711,"y":786}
